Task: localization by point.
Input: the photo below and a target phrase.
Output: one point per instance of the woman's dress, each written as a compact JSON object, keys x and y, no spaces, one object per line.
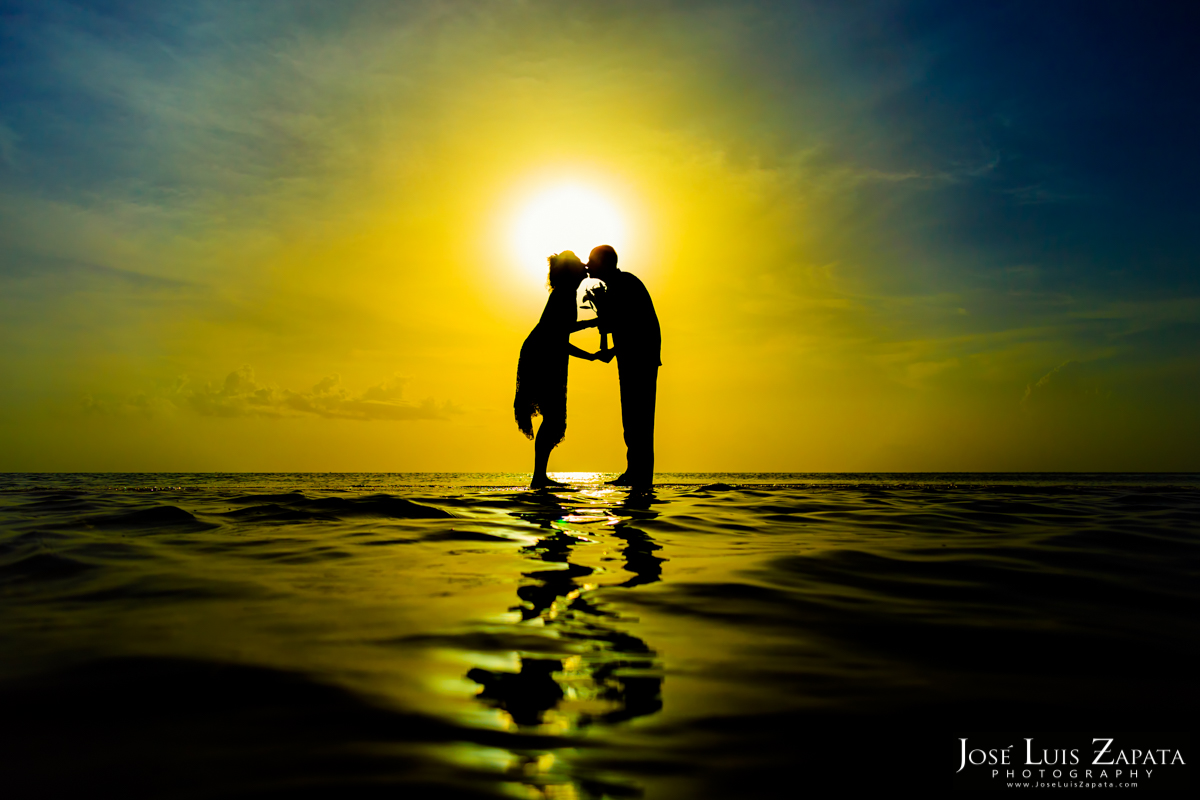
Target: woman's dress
{"x":542,"y":368}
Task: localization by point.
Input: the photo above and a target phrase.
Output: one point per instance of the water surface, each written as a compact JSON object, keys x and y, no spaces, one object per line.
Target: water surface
{"x":457,"y":635}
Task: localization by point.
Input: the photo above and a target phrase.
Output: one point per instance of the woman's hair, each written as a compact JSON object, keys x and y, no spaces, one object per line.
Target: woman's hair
{"x":564,"y":268}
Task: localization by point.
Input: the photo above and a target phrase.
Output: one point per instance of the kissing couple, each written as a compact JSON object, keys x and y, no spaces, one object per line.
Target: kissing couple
{"x":624,"y":309}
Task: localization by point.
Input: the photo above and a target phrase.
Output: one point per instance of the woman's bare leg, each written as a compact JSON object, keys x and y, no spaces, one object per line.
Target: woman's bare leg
{"x":548,"y":436}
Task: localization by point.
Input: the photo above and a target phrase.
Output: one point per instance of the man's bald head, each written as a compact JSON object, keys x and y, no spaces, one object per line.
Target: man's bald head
{"x":602,"y":261}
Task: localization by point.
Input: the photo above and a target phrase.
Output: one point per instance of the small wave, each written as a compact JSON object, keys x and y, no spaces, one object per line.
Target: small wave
{"x":378,"y":505}
{"x":153,"y":517}
{"x":273,"y":512}
{"x":45,"y":566}
{"x":464,"y":536}
{"x":289,"y":497}
{"x":295,"y":507}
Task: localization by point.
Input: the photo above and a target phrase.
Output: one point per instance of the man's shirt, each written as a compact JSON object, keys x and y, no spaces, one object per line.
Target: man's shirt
{"x":631,"y":319}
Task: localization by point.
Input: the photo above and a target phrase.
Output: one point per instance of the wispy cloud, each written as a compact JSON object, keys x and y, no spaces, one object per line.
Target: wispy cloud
{"x":1068,"y":388}
{"x":241,"y":394}
{"x":69,"y":273}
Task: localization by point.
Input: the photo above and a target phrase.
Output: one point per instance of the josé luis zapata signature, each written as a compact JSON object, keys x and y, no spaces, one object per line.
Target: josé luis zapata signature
{"x":1104,"y":755}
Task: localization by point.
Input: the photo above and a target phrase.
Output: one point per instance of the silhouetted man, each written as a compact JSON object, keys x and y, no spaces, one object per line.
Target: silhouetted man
{"x":637,"y":343}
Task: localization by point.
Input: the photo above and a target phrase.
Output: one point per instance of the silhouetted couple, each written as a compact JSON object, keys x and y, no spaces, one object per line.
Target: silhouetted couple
{"x":623,"y":308}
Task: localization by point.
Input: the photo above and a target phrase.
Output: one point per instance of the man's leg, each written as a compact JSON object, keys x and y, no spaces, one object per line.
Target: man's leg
{"x":649,"y":398}
{"x":639,"y":389}
{"x":627,"y":417}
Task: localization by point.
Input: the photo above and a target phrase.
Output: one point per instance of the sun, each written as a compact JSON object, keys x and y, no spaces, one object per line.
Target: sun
{"x":565,"y":217}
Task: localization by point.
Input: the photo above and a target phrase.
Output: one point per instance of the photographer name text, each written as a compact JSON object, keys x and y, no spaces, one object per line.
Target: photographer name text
{"x":1124,"y":763}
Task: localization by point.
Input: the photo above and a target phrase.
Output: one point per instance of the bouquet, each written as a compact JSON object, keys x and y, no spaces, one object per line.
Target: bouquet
{"x":594,"y":299}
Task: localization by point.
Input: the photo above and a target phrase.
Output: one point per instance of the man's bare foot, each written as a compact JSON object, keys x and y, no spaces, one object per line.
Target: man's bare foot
{"x":544,"y":482}
{"x":622,"y":480}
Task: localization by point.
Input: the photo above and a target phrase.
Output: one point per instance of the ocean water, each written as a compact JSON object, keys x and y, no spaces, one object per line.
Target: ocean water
{"x":455,"y":635}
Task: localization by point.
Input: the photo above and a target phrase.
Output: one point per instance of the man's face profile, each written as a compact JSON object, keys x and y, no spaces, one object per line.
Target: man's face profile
{"x":597,"y":265}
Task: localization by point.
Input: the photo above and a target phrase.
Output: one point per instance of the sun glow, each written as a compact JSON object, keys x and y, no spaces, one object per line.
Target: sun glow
{"x":569,"y":217}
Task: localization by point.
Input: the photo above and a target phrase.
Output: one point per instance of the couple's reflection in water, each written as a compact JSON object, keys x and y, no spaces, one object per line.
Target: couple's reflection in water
{"x":613,"y":676}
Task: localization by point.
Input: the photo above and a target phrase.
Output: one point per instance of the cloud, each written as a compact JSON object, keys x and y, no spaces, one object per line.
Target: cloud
{"x":140,"y":404}
{"x":1038,"y":194}
{"x":69,"y":274}
{"x":242,"y":395}
{"x":1068,"y":387}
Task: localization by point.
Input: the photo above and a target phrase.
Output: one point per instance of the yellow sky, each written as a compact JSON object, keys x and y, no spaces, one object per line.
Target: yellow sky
{"x":310,"y":265}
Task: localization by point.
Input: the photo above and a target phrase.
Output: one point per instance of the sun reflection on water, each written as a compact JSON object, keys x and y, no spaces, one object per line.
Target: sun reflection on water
{"x":614,"y":676}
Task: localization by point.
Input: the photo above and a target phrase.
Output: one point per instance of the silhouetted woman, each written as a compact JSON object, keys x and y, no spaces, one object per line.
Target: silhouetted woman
{"x":542,"y":370}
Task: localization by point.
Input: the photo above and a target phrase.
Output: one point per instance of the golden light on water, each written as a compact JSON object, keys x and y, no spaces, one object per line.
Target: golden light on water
{"x":565,"y":217}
